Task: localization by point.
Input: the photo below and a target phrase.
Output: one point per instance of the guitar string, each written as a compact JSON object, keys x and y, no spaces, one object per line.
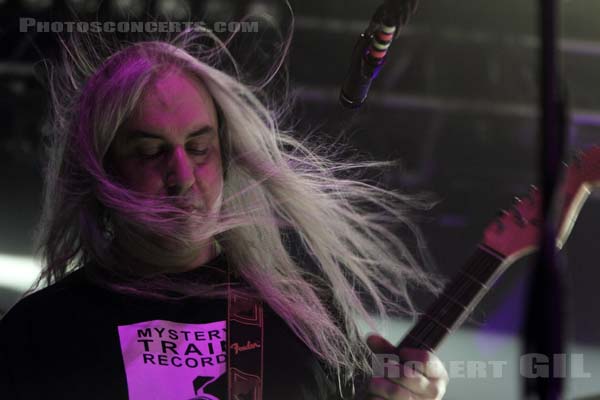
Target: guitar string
{"x":471,"y":287}
{"x":430,"y":333}
{"x":433,"y":325}
{"x":421,"y":330}
{"x":458,"y":288}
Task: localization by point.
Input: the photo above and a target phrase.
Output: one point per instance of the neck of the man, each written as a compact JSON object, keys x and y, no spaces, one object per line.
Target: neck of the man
{"x":194,"y":258}
{"x":207,"y":252}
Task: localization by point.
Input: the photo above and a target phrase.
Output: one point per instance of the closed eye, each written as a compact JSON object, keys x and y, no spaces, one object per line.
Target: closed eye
{"x":197,"y":151}
{"x":196,"y":147}
{"x":149,"y":151}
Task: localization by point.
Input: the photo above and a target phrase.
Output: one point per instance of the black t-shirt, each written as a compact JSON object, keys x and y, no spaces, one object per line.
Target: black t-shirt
{"x":77,"y":340}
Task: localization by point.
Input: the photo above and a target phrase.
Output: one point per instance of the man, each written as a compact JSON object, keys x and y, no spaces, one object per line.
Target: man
{"x":171,"y":201}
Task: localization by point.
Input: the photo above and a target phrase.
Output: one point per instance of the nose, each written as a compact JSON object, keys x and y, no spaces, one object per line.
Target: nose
{"x":180,"y":172}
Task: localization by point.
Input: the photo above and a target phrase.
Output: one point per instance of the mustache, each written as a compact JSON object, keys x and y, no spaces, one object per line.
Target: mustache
{"x":190,"y":201}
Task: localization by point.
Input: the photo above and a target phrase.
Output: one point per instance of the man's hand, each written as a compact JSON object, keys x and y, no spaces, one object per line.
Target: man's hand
{"x":421,"y":376}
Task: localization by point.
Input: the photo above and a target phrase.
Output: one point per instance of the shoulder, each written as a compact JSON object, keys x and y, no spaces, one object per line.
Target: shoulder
{"x":43,"y":302}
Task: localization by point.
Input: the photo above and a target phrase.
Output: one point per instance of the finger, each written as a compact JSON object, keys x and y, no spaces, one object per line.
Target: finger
{"x":378,"y":344}
{"x":423,"y":361}
{"x":422,"y":372}
{"x":385,"y":389}
{"x":422,"y":387}
{"x":413,"y":380}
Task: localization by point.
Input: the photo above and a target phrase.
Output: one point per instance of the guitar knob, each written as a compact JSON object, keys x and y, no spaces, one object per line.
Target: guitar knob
{"x":531,"y":194}
{"x":518,"y":217}
{"x":502,"y":213}
{"x":499,"y":217}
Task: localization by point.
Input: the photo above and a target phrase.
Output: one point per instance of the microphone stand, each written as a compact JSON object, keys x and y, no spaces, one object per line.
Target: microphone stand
{"x":544,"y":326}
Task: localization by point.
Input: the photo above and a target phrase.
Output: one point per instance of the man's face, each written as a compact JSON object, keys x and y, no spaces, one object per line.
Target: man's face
{"x":170,"y":145}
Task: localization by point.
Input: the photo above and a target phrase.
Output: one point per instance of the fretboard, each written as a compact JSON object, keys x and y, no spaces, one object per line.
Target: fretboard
{"x":457,"y":301}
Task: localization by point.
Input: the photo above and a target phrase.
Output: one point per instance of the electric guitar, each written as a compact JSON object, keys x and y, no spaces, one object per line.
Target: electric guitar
{"x":511,"y":236}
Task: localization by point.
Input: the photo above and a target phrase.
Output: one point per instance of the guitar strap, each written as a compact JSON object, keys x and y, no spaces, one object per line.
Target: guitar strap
{"x":244,"y":344}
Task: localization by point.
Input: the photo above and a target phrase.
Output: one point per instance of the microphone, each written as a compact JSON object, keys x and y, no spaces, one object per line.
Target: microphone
{"x":371,"y":49}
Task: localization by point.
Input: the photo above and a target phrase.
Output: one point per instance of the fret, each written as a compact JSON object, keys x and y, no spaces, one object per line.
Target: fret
{"x":484,"y":265}
{"x":415,"y":343}
{"x":430,"y":329}
{"x":465,"y":292}
{"x":436,"y":322}
{"x":447,"y":313}
{"x":452,"y":300}
{"x":433,"y":334}
{"x":473,"y":279}
{"x":491,"y":252}
{"x":487,"y":268}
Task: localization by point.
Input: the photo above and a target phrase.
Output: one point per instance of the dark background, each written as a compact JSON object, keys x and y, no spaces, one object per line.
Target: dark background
{"x":456,"y":103}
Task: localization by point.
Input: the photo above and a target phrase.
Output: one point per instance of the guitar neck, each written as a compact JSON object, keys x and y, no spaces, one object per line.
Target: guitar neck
{"x":457,"y":301}
{"x":513,"y":235}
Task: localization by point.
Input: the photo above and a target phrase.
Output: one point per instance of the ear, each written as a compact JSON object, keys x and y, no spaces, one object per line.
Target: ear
{"x":223,"y":140}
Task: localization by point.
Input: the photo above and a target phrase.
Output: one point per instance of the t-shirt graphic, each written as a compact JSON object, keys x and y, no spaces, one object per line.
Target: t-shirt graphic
{"x":173,"y":361}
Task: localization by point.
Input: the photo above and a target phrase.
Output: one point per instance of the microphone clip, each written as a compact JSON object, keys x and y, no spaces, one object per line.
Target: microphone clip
{"x":371,"y":49}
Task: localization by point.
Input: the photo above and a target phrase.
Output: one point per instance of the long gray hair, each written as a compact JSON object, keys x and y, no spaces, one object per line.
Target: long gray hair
{"x":274,"y":183}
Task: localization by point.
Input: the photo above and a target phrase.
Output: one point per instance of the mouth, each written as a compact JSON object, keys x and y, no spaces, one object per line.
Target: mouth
{"x":188,"y":202}
{"x":188,"y":205}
